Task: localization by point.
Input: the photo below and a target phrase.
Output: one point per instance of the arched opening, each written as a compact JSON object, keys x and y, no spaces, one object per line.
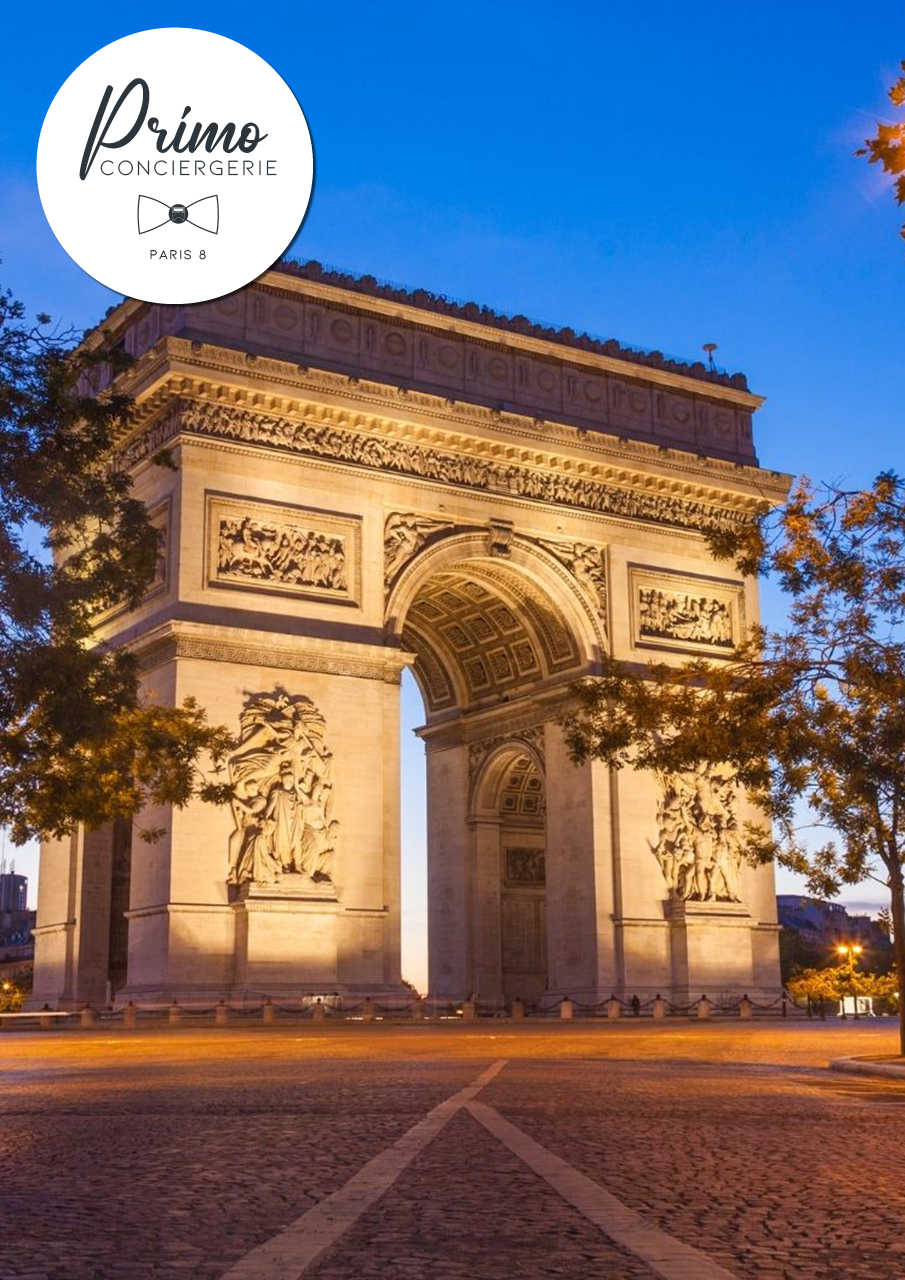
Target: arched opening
{"x":509,"y":813}
{"x":494,"y":639}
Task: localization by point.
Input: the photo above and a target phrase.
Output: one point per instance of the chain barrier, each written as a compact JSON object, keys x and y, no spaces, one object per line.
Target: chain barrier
{"x":340,"y":1008}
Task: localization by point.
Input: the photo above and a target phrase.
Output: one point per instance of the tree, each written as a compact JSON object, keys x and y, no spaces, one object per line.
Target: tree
{"x":78,"y":744}
{"x":818,"y":985}
{"x":887,"y":146}
{"x":836,"y":982}
{"x":813,"y":715}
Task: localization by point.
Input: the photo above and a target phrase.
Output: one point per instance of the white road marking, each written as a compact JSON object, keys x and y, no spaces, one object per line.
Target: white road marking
{"x":293,"y":1250}
{"x":663,"y":1253}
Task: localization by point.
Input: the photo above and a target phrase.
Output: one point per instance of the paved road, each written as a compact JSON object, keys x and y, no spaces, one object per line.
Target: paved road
{"x":630,"y":1152}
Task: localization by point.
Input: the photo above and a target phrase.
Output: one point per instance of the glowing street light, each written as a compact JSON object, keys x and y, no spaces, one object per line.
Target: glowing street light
{"x":850,"y":951}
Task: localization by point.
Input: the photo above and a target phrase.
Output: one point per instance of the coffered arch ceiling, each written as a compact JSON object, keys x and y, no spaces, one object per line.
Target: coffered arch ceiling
{"x":481,"y":631}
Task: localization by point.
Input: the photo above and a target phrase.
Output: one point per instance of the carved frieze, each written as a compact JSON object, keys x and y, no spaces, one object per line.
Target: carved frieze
{"x":260,"y":546}
{"x":281,"y":773}
{"x":698,"y":845}
{"x":463,"y":469}
{"x":687,"y":613}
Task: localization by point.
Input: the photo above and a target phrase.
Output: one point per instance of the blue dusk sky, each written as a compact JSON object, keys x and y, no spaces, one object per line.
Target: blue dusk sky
{"x":666,"y":174}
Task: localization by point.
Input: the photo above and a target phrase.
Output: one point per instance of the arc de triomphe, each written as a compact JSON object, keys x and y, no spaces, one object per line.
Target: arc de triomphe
{"x":369,"y":479}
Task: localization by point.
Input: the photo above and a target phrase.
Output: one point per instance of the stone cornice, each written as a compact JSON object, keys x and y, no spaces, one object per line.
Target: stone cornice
{"x":177,"y":367}
{"x":175,"y":640}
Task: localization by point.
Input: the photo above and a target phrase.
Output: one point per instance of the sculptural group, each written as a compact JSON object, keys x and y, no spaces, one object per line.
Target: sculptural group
{"x":698,"y":846}
{"x":283,"y":793}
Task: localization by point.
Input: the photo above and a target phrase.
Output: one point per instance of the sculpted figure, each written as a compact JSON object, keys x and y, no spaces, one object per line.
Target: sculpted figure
{"x":404,"y":535}
{"x":283,"y":793}
{"x":251,"y":851}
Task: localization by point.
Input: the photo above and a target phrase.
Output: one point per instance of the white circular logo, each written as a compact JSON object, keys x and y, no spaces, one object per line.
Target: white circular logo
{"x":175,"y":165}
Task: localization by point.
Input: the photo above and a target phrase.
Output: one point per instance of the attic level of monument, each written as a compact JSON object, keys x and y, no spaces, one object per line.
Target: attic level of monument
{"x":405,"y":342}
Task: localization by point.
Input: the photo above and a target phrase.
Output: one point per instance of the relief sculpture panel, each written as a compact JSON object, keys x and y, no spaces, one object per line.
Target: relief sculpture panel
{"x":685,"y":613}
{"x":289,"y":550}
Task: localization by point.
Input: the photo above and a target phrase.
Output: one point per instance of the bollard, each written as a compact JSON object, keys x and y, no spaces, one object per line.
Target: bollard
{"x":45,"y":1023}
{"x":659,"y":1006}
{"x":86,"y":1017}
{"x":613,"y":1008}
{"x":130,"y":1017}
{"x":267,"y":1012}
{"x":704,"y":1007}
{"x":518,"y":1009}
{"x":566,"y":1009}
{"x":368,"y":1011}
{"x":174,"y":1014}
{"x":318,"y":1012}
{"x":418,"y":1010}
{"x":745,"y":1008}
{"x":221,"y":1014}
{"x":468,"y":1010}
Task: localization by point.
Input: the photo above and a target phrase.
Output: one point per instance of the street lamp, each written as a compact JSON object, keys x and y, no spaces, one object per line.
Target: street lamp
{"x":850,"y":951}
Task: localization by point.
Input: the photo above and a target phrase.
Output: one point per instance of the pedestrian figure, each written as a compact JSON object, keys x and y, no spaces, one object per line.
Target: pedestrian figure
{"x":636,"y":1006}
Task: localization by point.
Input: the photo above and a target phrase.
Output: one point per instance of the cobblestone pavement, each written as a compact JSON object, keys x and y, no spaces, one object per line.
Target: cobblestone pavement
{"x":159,"y":1155}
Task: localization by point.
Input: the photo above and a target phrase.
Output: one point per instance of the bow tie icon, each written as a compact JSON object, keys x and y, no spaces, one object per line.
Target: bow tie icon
{"x":153,"y":213}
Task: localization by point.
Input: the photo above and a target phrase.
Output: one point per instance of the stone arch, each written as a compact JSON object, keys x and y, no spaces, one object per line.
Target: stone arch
{"x":509,"y":833}
{"x":490,"y":774}
{"x":485,"y":626}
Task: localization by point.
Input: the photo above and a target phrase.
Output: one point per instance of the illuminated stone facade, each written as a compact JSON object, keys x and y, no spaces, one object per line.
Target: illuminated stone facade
{"x":368,"y":480}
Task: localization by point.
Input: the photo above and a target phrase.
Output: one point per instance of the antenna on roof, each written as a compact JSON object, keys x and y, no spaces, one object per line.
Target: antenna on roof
{"x":710,"y":347}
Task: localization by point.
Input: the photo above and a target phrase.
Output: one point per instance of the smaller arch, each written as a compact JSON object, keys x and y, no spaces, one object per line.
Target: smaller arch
{"x":489,"y":778}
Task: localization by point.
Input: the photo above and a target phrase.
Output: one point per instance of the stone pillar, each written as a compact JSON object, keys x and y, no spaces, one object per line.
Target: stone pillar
{"x":469,"y":1011}
{"x":566,"y":1009}
{"x":659,"y":1007}
{"x":418,"y":1010}
{"x":486,"y":969}
{"x":518,"y":1009}
{"x":572,"y":885}
{"x":221,"y":1013}
{"x":704,"y":1007}
{"x":745,"y":1009}
{"x":86,"y":1017}
{"x":73,"y":928}
{"x":613,"y":1008}
{"x":448,"y":896}
{"x":174,"y":1014}
{"x":130,"y":1017}
{"x":318,"y":1012}
{"x":268,"y":1012}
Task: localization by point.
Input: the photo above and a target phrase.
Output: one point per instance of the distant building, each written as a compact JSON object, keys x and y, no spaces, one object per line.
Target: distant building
{"x":823,"y":925}
{"x":13,"y":892}
{"x":17,"y":945}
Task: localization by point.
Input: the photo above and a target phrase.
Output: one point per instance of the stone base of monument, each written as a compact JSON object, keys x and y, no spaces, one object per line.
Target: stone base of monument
{"x":286,"y":936}
{"x":710,"y":948}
